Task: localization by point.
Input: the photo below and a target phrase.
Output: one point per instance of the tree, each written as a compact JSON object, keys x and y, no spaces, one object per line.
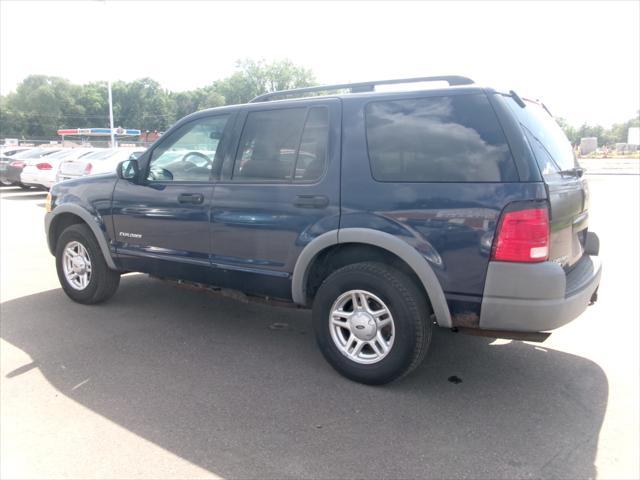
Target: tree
{"x":254,"y":78}
{"x":142,"y":104}
{"x":39,"y":106}
{"x":42,"y":104}
{"x":569,"y":131}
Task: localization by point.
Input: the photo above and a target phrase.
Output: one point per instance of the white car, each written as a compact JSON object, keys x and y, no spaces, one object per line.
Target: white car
{"x":103,"y":161}
{"x":42,"y":173}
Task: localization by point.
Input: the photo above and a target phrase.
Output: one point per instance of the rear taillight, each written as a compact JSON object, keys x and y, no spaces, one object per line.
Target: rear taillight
{"x":522,"y":236}
{"x":44,"y":166}
{"x":17,"y":164}
{"x":87,"y":169}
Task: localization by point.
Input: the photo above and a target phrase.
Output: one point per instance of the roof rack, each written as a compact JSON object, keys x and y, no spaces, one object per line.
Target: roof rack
{"x":362,"y":86}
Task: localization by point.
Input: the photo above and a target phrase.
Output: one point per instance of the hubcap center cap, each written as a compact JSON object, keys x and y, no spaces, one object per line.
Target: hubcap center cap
{"x":363,"y":326}
{"x":79,"y":265}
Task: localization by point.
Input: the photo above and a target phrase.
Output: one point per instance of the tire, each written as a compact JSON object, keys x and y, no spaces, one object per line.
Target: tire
{"x":102,"y":281}
{"x":407,"y":336}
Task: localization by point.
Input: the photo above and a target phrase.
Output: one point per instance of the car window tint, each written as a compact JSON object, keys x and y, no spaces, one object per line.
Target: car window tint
{"x":188,"y":154}
{"x":453,"y":138}
{"x":268,"y":145}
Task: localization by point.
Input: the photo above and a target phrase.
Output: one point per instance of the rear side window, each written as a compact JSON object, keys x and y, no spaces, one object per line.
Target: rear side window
{"x":550,"y":145}
{"x":283,"y":146}
{"x":437,"y":139}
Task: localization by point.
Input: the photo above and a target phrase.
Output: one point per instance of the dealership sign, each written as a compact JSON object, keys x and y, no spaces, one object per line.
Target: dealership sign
{"x":90,"y":132}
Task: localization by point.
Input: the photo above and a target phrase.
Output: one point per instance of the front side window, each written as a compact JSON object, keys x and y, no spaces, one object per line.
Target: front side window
{"x":283,"y":146}
{"x":437,"y":139}
{"x":189,"y":153}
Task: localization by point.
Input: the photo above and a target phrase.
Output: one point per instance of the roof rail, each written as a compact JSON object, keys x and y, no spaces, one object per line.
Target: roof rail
{"x":362,"y":86}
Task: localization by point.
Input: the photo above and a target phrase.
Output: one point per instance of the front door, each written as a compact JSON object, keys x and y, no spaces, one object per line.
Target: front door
{"x":161,"y":224}
{"x":278,"y":191}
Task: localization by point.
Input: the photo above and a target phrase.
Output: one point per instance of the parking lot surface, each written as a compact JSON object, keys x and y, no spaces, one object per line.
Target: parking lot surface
{"x":163,"y":382}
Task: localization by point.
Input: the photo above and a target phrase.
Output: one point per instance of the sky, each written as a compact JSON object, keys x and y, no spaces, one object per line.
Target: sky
{"x":581,"y":58}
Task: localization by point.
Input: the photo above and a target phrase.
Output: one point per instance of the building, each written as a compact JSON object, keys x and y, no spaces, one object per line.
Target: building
{"x":588,"y":145}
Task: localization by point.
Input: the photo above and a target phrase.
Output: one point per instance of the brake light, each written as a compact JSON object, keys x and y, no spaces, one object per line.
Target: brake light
{"x":17,"y":164}
{"x":87,"y":169}
{"x":44,"y":166}
{"x":523,"y":236}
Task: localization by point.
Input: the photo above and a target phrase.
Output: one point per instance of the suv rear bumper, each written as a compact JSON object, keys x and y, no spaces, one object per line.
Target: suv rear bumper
{"x":537,"y":297}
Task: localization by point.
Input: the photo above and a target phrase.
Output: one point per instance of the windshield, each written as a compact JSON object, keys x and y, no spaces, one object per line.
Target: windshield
{"x":552,"y":149}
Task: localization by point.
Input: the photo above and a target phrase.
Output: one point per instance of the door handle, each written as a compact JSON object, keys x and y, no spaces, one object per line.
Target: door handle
{"x":311,"y":201}
{"x":194,"y":198}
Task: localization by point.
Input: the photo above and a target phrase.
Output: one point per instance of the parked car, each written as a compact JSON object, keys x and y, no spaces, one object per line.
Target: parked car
{"x":10,"y":150}
{"x":101,"y":161}
{"x":386,"y":213}
{"x":11,"y":167}
{"x":42,"y":173}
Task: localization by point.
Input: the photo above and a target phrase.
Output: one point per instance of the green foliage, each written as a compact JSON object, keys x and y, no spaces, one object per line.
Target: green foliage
{"x":254,"y":78}
{"x":606,"y":136}
{"x":41,"y":104}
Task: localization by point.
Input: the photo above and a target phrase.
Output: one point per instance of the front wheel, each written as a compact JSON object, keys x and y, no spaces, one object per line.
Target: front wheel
{"x":83,"y":273}
{"x":371,"y":322}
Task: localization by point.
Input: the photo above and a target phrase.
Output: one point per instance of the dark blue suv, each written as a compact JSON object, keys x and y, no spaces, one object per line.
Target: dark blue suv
{"x":386,"y":213}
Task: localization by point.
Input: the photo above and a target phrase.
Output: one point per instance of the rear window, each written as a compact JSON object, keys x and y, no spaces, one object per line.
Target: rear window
{"x":550,"y":145}
{"x":100,"y":154}
{"x":437,"y":139}
{"x":34,"y":153}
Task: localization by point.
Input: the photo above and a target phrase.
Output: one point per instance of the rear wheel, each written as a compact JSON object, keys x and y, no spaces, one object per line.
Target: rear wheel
{"x":371,"y":322}
{"x":83,"y":273}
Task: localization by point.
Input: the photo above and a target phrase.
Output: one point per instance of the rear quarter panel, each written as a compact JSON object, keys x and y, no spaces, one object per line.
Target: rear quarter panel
{"x":450,"y":224}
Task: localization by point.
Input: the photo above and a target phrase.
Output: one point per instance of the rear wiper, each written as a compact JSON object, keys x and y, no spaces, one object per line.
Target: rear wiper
{"x":574,"y":172}
{"x":517,"y":99}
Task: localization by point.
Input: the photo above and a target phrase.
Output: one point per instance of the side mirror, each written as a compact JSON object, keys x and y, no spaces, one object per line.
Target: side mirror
{"x":128,"y":170}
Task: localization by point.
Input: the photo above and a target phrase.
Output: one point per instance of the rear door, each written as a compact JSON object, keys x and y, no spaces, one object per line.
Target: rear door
{"x":279,"y":190}
{"x":567,"y":189}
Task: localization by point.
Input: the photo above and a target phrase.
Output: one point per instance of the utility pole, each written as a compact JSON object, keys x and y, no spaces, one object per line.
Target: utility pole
{"x":113,"y":135}
{"x":106,"y":23}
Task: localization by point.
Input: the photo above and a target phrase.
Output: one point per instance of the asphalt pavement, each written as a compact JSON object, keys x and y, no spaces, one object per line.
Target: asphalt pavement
{"x":163,"y":382}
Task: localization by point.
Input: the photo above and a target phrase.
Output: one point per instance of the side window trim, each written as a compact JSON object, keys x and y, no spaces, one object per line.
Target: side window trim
{"x":292,"y":174}
{"x":327,"y":146}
